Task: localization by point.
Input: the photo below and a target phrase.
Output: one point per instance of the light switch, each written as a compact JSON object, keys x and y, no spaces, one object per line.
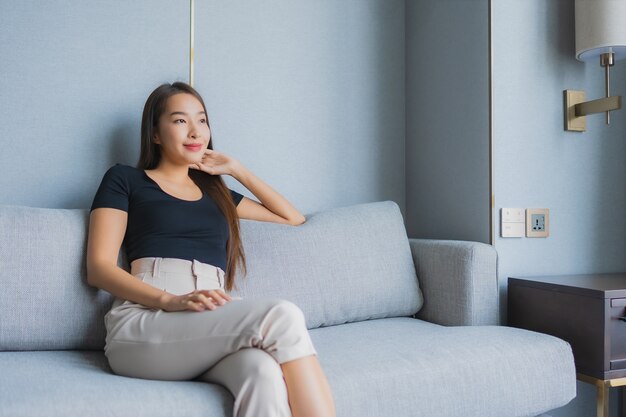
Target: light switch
{"x":512,"y":222}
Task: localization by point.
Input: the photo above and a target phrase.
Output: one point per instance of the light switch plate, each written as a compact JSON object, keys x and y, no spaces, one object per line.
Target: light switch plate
{"x":512,"y":222}
{"x":537,"y":222}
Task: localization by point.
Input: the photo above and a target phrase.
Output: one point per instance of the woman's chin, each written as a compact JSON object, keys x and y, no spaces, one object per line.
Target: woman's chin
{"x":194,"y":160}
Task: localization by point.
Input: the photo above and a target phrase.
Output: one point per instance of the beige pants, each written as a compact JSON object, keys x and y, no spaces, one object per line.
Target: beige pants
{"x":239,"y":345}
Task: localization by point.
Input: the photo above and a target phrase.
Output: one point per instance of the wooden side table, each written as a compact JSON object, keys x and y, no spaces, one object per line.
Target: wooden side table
{"x":589,"y":312}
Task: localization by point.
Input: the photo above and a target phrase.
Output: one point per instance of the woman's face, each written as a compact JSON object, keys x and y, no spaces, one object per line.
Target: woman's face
{"x":183,"y":123}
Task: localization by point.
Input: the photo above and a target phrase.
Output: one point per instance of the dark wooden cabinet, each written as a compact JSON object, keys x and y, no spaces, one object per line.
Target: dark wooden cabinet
{"x":588,"y":311}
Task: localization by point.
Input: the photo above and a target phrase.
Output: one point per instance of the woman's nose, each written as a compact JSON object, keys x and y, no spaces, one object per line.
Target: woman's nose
{"x":193,"y":130}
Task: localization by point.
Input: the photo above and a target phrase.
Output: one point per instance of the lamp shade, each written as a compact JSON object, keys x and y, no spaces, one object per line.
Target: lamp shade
{"x":600,"y":28}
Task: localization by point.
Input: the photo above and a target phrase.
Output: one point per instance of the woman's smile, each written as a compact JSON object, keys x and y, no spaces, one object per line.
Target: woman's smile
{"x":194,"y":147}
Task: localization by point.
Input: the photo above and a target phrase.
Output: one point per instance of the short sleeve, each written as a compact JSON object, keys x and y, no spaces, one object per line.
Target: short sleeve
{"x":113,"y":191}
{"x":236,"y":197}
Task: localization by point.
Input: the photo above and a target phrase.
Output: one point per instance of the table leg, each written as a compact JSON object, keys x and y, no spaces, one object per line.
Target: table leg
{"x":602,"y":400}
{"x":603,"y":387}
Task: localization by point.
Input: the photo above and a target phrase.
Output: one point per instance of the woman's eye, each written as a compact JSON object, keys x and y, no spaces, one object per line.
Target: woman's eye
{"x":202,"y":120}
{"x":179,"y":120}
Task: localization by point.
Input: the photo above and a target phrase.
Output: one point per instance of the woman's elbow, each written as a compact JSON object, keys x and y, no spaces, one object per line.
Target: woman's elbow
{"x":93,"y":273}
{"x":91,"y":277}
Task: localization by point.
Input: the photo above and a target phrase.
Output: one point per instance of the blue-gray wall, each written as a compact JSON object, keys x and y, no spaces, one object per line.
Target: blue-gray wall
{"x":74,"y":76}
{"x":308,"y":95}
{"x":580,"y":177}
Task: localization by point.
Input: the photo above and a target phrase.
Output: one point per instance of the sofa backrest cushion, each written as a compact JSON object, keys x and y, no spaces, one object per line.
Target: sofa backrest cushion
{"x":342,"y":265}
{"x":45,"y":301}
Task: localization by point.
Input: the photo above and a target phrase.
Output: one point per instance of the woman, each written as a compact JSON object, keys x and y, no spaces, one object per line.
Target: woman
{"x":173,"y":317}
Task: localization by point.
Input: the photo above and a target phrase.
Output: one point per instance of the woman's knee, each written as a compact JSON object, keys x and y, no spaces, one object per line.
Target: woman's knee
{"x":261,"y":366}
{"x":289,"y":310}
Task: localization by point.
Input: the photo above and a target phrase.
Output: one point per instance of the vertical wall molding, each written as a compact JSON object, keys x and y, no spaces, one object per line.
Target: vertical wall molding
{"x":492,"y":197}
{"x":191,"y":39}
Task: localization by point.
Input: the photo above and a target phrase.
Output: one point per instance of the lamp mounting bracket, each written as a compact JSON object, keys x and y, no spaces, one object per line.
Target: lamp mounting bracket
{"x":576,"y":108}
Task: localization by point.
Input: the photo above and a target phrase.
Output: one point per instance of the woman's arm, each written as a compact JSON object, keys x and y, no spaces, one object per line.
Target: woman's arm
{"x":106,"y":232}
{"x":273,"y":208}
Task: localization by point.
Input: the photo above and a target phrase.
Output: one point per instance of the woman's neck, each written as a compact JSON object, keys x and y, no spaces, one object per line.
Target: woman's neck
{"x":175,"y":174}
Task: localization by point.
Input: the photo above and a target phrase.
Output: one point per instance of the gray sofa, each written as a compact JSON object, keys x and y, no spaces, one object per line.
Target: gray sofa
{"x":357,"y":277}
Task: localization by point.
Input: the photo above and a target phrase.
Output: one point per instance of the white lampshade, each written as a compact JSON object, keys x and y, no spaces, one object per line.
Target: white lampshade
{"x":600,"y":28}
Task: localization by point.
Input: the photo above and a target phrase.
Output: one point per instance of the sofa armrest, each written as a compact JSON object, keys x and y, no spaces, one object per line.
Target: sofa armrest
{"x":458,"y":280}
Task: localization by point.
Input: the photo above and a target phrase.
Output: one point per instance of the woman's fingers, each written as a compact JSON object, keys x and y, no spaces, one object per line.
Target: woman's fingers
{"x":194,"y":305}
{"x":211,"y":299}
{"x":200,"y":300}
{"x":217,"y":295}
{"x":224,"y":295}
{"x":205,"y":301}
{"x":217,"y":298}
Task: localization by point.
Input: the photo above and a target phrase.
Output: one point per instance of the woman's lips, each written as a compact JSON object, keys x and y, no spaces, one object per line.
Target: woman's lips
{"x":193,"y":148}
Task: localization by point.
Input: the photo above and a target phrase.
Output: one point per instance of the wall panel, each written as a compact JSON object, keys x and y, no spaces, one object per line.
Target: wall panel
{"x":74,"y":78}
{"x":309,"y":95}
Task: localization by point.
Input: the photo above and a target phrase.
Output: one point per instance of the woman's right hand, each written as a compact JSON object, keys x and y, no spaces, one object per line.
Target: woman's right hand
{"x":198,"y":300}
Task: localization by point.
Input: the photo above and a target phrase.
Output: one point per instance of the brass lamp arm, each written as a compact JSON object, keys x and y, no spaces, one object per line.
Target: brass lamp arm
{"x":598,"y":106}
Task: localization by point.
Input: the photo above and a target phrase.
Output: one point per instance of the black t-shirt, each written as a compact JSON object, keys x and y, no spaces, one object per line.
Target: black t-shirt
{"x":161,"y":225}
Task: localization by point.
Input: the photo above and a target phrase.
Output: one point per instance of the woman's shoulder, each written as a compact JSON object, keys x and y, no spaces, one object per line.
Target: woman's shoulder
{"x":116,"y":187}
{"x":120,"y":166}
{"x":123,"y":173}
{"x":123,"y":169}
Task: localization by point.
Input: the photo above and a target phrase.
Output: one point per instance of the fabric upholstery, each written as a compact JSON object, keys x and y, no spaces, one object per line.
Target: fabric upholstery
{"x":45,"y":302}
{"x":399,"y":367}
{"x":459,"y":281}
{"x":342,"y":265}
{"x":412,"y":368}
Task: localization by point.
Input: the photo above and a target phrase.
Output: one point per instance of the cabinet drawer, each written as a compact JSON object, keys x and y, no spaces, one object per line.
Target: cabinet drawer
{"x":617,"y":334}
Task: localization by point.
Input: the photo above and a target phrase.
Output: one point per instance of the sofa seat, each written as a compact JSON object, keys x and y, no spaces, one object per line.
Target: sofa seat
{"x":413,"y":368}
{"x":385,"y":367}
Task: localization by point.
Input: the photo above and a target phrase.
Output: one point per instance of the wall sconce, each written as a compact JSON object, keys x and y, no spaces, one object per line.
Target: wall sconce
{"x":600,"y":35}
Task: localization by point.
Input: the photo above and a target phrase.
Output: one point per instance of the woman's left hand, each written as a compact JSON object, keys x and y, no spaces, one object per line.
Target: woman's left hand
{"x":215,"y":163}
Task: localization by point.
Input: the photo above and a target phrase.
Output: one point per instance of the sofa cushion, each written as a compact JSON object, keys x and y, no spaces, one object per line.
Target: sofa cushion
{"x":406,"y":367}
{"x":80,"y":383}
{"x":342,"y":265}
{"x":45,"y":302}
{"x":399,"y":367}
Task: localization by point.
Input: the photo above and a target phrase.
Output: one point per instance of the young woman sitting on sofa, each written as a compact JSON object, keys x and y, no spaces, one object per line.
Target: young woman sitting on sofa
{"x":173,"y":317}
